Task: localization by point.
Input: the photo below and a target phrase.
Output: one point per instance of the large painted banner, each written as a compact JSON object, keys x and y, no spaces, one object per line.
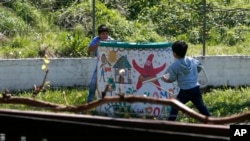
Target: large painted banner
{"x":125,"y":66}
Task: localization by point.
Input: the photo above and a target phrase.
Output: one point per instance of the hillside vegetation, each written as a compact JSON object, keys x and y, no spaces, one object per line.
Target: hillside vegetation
{"x":63,"y":28}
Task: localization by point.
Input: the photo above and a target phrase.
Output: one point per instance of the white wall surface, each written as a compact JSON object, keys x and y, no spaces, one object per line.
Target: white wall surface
{"x":227,"y":70}
{"x":24,"y":73}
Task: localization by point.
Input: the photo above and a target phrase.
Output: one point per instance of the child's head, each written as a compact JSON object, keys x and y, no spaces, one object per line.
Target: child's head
{"x":179,"y":48}
{"x":103,"y":32}
{"x":103,"y":28}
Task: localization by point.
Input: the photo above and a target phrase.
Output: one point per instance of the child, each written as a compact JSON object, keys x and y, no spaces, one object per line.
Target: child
{"x":103,"y":35}
{"x":185,"y":71}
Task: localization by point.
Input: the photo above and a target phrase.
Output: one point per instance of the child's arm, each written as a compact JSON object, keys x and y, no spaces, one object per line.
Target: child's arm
{"x":165,"y":78}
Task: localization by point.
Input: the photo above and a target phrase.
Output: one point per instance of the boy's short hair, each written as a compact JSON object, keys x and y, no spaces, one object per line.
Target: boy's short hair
{"x":180,"y":48}
{"x":103,"y":28}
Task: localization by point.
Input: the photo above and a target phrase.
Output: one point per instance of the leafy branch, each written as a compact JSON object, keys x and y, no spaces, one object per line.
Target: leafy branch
{"x":38,"y":89}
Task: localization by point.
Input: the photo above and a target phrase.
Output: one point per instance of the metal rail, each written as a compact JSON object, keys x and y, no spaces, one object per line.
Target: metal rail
{"x":34,"y":126}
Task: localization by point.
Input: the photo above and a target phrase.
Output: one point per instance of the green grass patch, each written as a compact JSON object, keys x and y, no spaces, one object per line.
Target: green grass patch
{"x":221,"y":102}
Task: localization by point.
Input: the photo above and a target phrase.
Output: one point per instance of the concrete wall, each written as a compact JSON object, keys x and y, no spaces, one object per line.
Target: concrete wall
{"x":227,"y":70}
{"x":24,"y":73}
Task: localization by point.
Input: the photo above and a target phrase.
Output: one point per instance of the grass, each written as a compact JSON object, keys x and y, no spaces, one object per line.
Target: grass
{"x":64,"y":96}
{"x":197,"y":50}
{"x":221,"y":102}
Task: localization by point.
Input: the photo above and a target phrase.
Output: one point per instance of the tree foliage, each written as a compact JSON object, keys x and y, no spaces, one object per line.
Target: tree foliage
{"x":227,"y":22}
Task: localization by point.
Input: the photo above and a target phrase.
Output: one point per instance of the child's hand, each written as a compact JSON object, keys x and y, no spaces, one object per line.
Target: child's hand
{"x":165,"y":78}
{"x":141,"y":78}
